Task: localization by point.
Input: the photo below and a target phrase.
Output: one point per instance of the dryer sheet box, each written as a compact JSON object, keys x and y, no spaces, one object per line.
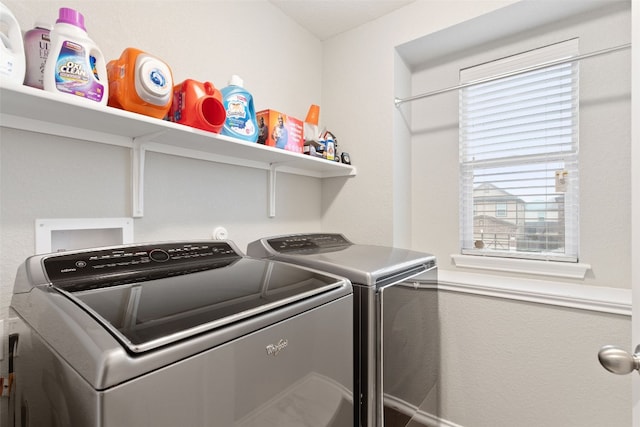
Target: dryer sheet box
{"x":276,"y":129}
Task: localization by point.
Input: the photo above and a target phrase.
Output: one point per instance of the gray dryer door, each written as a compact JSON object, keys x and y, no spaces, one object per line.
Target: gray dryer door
{"x":410,"y":363}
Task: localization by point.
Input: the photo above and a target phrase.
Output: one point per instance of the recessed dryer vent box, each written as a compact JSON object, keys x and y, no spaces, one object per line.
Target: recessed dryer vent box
{"x":63,"y":234}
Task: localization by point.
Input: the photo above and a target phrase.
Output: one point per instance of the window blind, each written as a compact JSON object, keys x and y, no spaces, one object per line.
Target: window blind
{"x":519,"y":157}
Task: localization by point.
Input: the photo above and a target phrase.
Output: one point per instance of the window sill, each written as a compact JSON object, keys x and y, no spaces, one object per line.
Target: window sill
{"x":531,"y":289}
{"x":576,"y":296}
{"x":570,"y":270}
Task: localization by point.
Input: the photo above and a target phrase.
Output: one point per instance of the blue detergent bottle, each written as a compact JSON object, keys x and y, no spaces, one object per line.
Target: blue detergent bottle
{"x":241,"y":116}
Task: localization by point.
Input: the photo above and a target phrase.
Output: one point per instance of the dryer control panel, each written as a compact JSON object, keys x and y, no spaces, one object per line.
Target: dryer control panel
{"x":302,"y":242}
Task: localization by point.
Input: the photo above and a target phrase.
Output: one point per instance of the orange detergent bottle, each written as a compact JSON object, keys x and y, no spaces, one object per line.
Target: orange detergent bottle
{"x":140,"y":83}
{"x":198,"y":105}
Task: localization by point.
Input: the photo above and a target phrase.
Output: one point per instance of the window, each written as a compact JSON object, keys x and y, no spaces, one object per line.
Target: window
{"x":519,"y":156}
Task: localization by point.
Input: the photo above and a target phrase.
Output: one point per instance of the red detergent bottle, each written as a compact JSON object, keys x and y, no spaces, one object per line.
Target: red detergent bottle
{"x":198,"y":105}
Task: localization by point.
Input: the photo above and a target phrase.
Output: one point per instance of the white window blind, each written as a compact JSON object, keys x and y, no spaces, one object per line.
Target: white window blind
{"x":519,"y":157}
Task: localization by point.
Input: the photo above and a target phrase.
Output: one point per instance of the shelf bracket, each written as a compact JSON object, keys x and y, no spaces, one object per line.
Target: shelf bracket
{"x":138,"y":154}
{"x":272,"y":189}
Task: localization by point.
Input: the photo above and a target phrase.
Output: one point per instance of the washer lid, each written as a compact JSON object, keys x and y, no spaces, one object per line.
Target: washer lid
{"x":162,"y":300}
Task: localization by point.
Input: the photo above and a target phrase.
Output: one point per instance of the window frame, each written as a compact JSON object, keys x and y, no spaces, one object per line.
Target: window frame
{"x":507,"y":67}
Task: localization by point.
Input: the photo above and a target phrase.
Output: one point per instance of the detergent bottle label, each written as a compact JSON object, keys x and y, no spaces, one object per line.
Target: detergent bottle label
{"x":74,"y":75}
{"x":238,"y":118}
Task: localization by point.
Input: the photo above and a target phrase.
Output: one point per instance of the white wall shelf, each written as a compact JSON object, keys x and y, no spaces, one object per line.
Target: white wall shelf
{"x":26,"y":108}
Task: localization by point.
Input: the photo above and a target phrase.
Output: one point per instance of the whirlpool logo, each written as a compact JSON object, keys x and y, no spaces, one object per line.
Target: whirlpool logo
{"x":274,"y":349}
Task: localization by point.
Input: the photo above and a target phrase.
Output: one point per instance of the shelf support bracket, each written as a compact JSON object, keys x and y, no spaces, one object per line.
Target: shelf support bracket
{"x":138,"y":154}
{"x":272,"y":189}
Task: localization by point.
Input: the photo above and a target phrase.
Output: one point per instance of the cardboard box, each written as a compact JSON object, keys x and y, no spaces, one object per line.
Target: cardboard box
{"x":280,"y":130}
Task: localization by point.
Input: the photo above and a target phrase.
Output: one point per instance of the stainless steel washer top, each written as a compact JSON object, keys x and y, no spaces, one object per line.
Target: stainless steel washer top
{"x":367,"y":265}
{"x":103,"y":309}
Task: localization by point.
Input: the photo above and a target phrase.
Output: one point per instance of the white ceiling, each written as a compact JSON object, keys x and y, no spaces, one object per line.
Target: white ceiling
{"x":327,"y":18}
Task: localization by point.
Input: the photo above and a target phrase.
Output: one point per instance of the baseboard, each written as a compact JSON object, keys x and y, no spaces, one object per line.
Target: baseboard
{"x":417,"y":416}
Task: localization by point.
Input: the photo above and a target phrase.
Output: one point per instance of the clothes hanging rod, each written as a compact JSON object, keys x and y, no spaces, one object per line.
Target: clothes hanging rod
{"x":400,"y":101}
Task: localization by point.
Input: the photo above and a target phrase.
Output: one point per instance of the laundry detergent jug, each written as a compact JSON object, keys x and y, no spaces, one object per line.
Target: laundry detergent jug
{"x":241,"y":116}
{"x":12,"y":60}
{"x":75,"y":65}
{"x":140,"y":83}
{"x":198,"y":105}
{"x":36,"y":49}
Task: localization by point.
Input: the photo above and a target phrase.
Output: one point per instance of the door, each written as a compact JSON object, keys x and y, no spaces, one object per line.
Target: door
{"x":619,"y":360}
{"x":635,"y":195}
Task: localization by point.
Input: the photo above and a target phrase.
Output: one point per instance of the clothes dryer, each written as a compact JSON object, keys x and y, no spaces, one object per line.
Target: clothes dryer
{"x":392,"y":297}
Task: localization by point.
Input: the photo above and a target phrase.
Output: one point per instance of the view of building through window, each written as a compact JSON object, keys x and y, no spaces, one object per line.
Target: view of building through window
{"x":503,"y":221}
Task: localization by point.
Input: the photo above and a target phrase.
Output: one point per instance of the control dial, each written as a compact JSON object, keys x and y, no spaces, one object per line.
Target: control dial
{"x":159,"y":255}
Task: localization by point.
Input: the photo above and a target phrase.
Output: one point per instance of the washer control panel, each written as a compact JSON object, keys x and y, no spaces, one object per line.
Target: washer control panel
{"x":124,"y":260}
{"x":308,"y":242}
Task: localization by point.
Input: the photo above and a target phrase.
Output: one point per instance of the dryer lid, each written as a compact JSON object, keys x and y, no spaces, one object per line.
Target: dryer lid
{"x":367,"y":265}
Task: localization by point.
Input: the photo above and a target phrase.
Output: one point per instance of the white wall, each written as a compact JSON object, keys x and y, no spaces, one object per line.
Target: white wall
{"x":501,"y":361}
{"x":50,"y":177}
{"x":513,"y":363}
{"x":53,"y":177}
{"x":605,"y":126}
{"x":354,"y":77}
{"x":358,"y":93}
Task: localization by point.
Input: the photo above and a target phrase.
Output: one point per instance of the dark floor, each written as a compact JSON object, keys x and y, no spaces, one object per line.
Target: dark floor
{"x":393,"y":418}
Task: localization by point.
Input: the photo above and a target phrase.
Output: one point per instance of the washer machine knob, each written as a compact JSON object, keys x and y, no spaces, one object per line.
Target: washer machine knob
{"x":159,"y":255}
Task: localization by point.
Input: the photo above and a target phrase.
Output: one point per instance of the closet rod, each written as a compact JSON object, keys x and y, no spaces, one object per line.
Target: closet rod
{"x":399,"y":101}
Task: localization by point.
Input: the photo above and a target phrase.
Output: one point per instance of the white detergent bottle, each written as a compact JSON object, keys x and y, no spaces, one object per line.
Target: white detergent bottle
{"x":75,"y":65}
{"x":12,"y":60}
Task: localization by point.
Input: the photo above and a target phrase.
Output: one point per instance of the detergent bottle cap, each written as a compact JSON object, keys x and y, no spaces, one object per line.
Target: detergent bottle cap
{"x":71,"y":16}
{"x":312,"y":115}
{"x":153,"y":80}
{"x":236,"y":81}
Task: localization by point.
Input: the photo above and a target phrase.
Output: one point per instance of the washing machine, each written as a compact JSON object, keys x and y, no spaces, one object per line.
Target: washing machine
{"x":179,"y":334}
{"x":395,"y":323}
